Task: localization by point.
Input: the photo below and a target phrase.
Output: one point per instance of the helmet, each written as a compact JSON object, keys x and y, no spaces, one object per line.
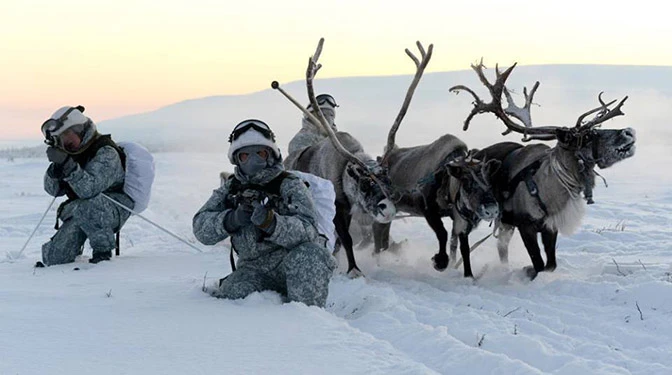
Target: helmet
{"x":324,"y":101}
{"x":252,"y":132}
{"x":63,"y":119}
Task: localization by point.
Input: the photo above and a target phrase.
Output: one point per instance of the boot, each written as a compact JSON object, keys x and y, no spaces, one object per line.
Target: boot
{"x":100,"y":256}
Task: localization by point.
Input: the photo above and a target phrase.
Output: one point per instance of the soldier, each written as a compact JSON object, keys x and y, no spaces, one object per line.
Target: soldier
{"x":270,"y":217}
{"x":84,"y":164}
{"x":310,"y":133}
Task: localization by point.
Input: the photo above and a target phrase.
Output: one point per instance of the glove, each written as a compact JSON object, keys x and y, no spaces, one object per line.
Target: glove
{"x":56,"y":155}
{"x":263,"y":217}
{"x":237,"y":219}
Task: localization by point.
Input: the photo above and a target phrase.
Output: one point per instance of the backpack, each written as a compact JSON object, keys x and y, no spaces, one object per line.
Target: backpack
{"x":323,"y":194}
{"x":139,"y":174}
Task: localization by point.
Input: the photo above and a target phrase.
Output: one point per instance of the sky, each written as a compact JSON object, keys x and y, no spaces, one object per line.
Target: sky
{"x":131,"y":56}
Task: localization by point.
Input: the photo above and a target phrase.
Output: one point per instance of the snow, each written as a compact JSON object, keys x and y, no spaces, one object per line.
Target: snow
{"x":144,"y":312}
{"x":607,"y":308}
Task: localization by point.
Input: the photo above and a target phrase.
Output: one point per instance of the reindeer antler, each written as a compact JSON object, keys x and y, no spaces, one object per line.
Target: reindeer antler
{"x":522,"y":114}
{"x":603,"y":113}
{"x":420,"y":66}
{"x":498,"y":89}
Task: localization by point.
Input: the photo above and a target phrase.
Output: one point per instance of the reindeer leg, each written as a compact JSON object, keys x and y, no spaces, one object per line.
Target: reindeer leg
{"x":453,"y":244}
{"x":342,"y":223}
{"x":381,"y":236}
{"x":549,"y":239}
{"x":529,"y":236}
{"x":503,"y":240}
{"x":464,"y":251}
{"x":441,"y":258}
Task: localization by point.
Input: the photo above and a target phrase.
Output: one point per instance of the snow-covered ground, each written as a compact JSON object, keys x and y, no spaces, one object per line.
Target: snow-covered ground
{"x":607,"y":309}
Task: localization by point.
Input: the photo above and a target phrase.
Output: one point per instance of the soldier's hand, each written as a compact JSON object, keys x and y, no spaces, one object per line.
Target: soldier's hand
{"x":237,"y":219}
{"x":263,"y":216}
{"x":56,"y":155}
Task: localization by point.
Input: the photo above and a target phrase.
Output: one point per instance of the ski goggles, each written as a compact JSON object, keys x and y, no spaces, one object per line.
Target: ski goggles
{"x":257,"y":125}
{"x":325,"y":98}
{"x":52,"y":128}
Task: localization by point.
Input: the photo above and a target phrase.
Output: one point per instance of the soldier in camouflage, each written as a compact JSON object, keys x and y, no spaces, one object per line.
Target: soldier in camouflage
{"x":310,"y":133}
{"x":270,"y":217}
{"x":84,"y":164}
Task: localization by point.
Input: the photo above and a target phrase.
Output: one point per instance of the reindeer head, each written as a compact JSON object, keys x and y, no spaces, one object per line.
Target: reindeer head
{"x":369,"y":187}
{"x":591,"y":145}
{"x":475,"y":189}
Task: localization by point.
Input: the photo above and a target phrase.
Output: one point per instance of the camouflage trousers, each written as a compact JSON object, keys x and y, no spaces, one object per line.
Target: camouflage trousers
{"x":301,"y":274}
{"x":96,"y":219}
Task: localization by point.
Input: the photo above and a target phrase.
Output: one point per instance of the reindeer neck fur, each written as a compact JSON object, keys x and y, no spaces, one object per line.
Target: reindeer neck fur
{"x":561,"y":179}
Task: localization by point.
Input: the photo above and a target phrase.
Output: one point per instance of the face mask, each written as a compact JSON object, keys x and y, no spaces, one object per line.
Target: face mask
{"x":330,"y":115}
{"x":252,"y":159}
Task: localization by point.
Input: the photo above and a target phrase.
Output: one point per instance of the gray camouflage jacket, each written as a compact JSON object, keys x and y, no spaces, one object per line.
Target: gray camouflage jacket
{"x":295,"y":222}
{"x":101,"y":173}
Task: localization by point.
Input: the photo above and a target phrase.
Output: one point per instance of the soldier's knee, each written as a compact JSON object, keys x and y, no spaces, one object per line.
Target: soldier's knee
{"x":310,"y":256}
{"x":234,"y":291}
{"x":235,"y":286}
{"x":53,"y":255}
{"x":309,"y":268}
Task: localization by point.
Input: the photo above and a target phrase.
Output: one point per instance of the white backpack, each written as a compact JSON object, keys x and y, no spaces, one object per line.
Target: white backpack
{"x":324,"y":196}
{"x":139,"y":174}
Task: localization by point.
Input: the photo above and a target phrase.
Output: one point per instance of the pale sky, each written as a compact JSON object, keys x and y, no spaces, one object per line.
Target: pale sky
{"x":128,"y":56}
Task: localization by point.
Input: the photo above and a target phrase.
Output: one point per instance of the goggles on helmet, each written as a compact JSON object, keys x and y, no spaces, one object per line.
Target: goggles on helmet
{"x":257,"y":125}
{"x":325,"y":98}
{"x":52,"y":128}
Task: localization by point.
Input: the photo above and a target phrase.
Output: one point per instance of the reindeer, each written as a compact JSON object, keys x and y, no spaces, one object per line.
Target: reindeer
{"x":360,"y":182}
{"x":437,"y":180}
{"x":539,"y":187}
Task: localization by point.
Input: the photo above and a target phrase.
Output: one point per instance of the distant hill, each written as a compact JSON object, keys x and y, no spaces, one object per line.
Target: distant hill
{"x":368,"y":106}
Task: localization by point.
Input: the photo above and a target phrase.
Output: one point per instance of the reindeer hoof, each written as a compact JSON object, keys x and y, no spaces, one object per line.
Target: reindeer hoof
{"x":440,"y":261}
{"x":530,"y":272}
{"x":550,"y":267}
{"x":355,"y":273}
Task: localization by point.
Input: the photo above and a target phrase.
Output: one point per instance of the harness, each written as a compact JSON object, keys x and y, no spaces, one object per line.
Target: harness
{"x":525,"y":175}
{"x":271,"y":188}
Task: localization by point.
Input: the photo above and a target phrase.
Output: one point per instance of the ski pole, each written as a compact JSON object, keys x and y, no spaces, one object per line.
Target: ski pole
{"x":15,"y":257}
{"x":151,"y":222}
{"x":276,"y":86}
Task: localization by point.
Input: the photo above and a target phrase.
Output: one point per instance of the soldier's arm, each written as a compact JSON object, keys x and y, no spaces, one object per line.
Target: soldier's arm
{"x":208,"y":223}
{"x":300,"y":226}
{"x":100,"y":174}
{"x":52,"y":182}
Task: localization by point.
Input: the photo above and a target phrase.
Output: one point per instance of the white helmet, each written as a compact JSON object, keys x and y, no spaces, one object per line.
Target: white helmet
{"x":252,"y":132}
{"x":65,"y":118}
